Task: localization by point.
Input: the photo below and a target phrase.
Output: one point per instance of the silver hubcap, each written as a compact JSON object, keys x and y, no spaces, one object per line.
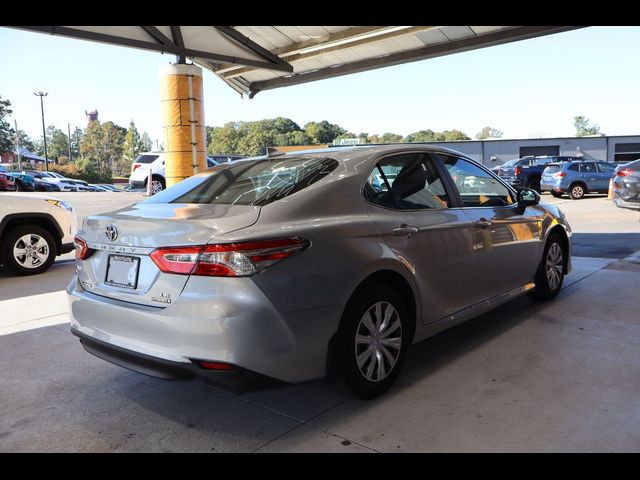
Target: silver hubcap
{"x":156,"y":186}
{"x":577,"y":191}
{"x":31,"y":251}
{"x":378,"y":341}
{"x":554,"y":266}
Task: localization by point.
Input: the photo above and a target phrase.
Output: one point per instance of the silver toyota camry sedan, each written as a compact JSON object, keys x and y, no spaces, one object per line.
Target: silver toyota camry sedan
{"x":322,"y":263}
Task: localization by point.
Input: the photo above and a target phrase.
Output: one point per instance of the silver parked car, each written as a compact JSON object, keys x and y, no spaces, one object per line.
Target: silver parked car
{"x":307,"y":264}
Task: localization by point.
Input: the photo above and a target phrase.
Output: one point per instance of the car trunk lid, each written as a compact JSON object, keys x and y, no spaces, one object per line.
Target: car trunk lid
{"x":120,"y":266}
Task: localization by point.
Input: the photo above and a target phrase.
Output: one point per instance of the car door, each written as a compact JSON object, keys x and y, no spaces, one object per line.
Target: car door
{"x":605,"y":172}
{"x":589,"y":174}
{"x":414,"y":213}
{"x":506,"y":238}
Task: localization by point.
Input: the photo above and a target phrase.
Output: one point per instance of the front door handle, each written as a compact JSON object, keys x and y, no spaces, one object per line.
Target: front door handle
{"x":405,"y":231}
{"x":483,"y":223}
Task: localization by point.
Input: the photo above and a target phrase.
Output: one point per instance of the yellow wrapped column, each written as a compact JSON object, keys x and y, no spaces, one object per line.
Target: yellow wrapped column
{"x":183,"y":127}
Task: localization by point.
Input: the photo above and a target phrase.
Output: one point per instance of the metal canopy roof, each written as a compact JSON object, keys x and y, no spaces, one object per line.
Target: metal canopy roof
{"x":252,"y":59}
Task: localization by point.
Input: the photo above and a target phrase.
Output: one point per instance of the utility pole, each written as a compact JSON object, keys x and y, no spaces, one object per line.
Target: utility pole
{"x":15,"y":122}
{"x":69,"y":136}
{"x":44,"y":132}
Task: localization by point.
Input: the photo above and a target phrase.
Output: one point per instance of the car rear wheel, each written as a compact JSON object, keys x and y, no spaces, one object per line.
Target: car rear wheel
{"x":28,"y":250}
{"x":157,"y":184}
{"x":372,"y":341}
{"x":550,"y":274}
{"x":576,"y":191}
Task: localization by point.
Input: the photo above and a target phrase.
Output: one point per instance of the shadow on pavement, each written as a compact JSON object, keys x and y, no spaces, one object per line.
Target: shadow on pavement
{"x":53,"y":280}
{"x":605,"y":245}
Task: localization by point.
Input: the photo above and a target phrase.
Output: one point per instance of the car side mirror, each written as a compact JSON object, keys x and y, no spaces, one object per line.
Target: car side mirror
{"x":528,"y":197}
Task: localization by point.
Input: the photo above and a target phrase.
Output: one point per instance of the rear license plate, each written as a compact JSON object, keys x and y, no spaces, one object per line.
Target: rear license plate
{"x":122,"y":271}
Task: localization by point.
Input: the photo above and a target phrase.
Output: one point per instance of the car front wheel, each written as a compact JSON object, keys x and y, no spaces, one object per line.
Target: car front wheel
{"x":550,"y":274}
{"x":373,"y":340}
{"x":28,"y":250}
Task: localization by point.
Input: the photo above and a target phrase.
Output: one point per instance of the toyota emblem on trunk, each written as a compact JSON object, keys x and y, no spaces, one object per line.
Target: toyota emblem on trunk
{"x":112,"y":232}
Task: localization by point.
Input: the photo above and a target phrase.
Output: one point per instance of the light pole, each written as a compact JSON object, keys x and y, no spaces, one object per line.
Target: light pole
{"x":44,"y":132}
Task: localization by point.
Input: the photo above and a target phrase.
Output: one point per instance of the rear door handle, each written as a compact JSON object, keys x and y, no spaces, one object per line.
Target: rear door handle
{"x":405,"y":231}
{"x":483,"y":223}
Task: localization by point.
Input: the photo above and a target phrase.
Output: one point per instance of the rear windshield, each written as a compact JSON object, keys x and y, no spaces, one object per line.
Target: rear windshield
{"x":257,"y":182}
{"x":552,"y":169}
{"x":146,"y":158}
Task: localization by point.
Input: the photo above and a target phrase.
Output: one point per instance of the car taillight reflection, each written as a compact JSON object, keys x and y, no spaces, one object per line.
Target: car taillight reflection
{"x":625,"y":172}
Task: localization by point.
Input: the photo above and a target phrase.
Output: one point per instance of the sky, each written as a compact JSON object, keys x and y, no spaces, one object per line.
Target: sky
{"x":527,"y":89}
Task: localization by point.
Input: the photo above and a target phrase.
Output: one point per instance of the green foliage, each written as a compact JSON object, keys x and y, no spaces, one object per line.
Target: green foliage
{"x":488,"y":132}
{"x":390,"y":138}
{"x":103,"y":145}
{"x":584,"y":127}
{"x":431,"y":136}
{"x":76,"y":139}
{"x":323,"y":132}
{"x":6,"y":132}
{"x":133,"y":145}
{"x":26,"y":141}
{"x":147,"y":145}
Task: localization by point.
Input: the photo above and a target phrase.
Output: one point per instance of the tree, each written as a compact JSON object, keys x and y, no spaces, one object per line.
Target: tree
{"x":323,"y":132}
{"x":76,"y":140}
{"x":390,"y":138}
{"x":147,"y":145}
{"x":6,"y":132}
{"x":454,"y":135}
{"x":584,"y":127}
{"x":423,"y":136}
{"x":26,"y":141}
{"x":488,"y":132}
{"x":132,"y":145}
{"x":102,"y":145}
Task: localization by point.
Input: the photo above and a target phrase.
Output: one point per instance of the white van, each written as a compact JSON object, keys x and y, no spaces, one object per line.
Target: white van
{"x":155,"y":162}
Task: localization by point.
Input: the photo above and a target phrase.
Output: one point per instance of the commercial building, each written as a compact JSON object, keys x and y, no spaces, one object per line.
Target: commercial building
{"x":494,"y":152}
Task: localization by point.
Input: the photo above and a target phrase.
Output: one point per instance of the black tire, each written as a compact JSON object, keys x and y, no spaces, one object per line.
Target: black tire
{"x":158,"y":180}
{"x":546,"y":289}
{"x":45,"y":256}
{"x":345,"y":348}
{"x":18,"y":187}
{"x":556,"y":194}
{"x":577,"y":191}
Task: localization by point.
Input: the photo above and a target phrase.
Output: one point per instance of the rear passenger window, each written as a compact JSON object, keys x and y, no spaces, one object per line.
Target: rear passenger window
{"x":588,"y":168}
{"x":574,"y":167}
{"x":406,"y":182}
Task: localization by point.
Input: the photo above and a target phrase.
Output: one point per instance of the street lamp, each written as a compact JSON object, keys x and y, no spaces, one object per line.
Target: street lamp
{"x":44,"y":133}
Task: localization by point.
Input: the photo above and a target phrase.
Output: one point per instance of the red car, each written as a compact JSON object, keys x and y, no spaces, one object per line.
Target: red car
{"x":6,"y":183}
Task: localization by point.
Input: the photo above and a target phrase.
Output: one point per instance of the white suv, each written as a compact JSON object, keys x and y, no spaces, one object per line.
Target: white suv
{"x":33,"y":230}
{"x":155,"y":162}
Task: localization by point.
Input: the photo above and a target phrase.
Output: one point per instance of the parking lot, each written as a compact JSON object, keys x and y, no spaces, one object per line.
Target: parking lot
{"x":528,"y":376}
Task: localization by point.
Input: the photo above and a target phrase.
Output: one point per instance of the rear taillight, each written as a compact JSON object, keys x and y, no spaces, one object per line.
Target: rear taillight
{"x":240,"y":259}
{"x":624,"y":173}
{"x":134,"y":166}
{"x":82,"y":249}
{"x":516,"y":171}
{"x":559,"y":175}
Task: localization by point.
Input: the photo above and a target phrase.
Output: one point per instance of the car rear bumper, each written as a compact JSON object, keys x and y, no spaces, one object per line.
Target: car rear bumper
{"x":166,"y":369}
{"x":136,"y":183}
{"x":619,"y":202}
{"x":217,"y":320}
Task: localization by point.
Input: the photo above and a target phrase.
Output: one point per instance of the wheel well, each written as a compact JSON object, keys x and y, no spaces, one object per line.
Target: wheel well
{"x":43,"y":222}
{"x":383,"y":276}
{"x":578,"y":182}
{"x":565,"y":242}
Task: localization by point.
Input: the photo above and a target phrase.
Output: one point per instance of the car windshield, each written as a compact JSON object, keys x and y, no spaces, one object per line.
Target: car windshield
{"x":257,"y":182}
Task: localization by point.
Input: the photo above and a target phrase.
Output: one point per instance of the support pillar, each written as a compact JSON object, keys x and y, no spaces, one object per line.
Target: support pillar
{"x":183,"y":128}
